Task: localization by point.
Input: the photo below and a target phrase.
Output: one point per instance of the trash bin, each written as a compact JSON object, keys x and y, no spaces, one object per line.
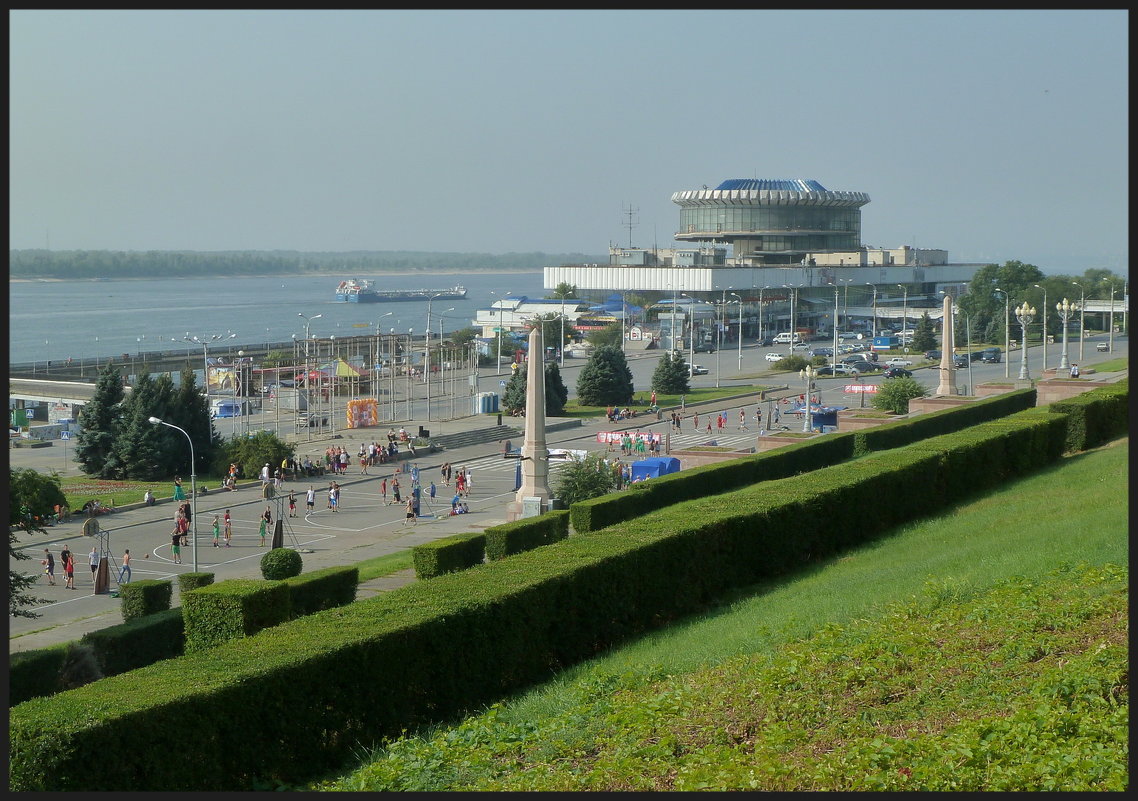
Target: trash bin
{"x":424,"y":433}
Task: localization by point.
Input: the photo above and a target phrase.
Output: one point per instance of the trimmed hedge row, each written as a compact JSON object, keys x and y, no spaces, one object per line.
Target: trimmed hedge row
{"x":322,"y":589}
{"x":432,"y":649}
{"x":139,"y":642}
{"x":526,"y":534}
{"x":448,"y":555}
{"x":35,"y":673}
{"x":146,"y":597}
{"x":232,"y":609}
{"x":1097,"y":416}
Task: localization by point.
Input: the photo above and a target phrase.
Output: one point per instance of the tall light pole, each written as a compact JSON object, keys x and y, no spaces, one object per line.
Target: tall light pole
{"x":561,"y":347}
{"x":873,"y":335}
{"x":904,"y":313}
{"x":1082,"y":318}
{"x":720,"y":322}
{"x":740,"y":301}
{"x":501,"y":323}
{"x":205,"y":343}
{"x":834,"y":349}
{"x":1007,"y":331}
{"x":1110,"y":325}
{"x":808,"y":374}
{"x":691,"y":333}
{"x":193,"y":489}
{"x":427,"y":348}
{"x":1066,"y":309}
{"x":762,"y":335}
{"x":1025,"y":314}
{"x":672,"y":342}
{"x":1037,"y":286}
{"x":307,"y":374}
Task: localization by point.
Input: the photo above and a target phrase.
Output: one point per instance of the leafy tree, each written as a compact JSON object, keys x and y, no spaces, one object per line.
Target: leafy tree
{"x":277,"y":358}
{"x":794,"y":362}
{"x":99,"y":419}
{"x":31,"y":497}
{"x":564,"y":290}
{"x":671,"y":374}
{"x":190,"y":412}
{"x":610,"y":335}
{"x":605,"y":379}
{"x":463,"y":336}
{"x":924,"y":338}
{"x":981,"y":303}
{"x":585,"y":478}
{"x":551,"y":326}
{"x":894,"y":394}
{"x":514,"y":399}
{"x":250,"y":453}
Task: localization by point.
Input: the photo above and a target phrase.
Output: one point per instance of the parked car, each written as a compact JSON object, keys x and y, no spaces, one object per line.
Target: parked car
{"x":853,"y":357}
{"x":865,"y":367}
{"x":697,"y":369}
{"x":960,"y":360}
{"x":991,"y":355}
{"x":764,"y":342}
{"x":775,"y":357}
{"x":933,"y":354}
{"x":897,"y":372}
{"x":837,"y":369}
{"x":899,"y":361}
{"x":847,"y":335}
{"x":1102,"y":347}
{"x":822,"y":352}
{"x":801,"y":346}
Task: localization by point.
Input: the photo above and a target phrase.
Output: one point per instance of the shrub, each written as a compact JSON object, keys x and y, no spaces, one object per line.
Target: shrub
{"x":281,"y":563}
{"x":448,"y":554}
{"x":191,"y":581}
{"x":141,"y":598}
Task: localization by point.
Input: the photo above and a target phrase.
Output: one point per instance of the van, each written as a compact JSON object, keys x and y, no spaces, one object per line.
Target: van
{"x":787,"y":338}
{"x":991,"y":355}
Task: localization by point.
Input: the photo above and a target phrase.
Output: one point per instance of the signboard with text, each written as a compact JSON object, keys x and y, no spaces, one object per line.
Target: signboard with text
{"x":870,"y":388}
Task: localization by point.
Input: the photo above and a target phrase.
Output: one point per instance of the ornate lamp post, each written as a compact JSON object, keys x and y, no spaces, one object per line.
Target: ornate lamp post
{"x":1025,"y":314}
{"x":193,"y":489}
{"x":1007,"y":331}
{"x":808,"y":374}
{"x":1082,"y":318}
{"x":1037,"y":286}
{"x":1066,"y":309}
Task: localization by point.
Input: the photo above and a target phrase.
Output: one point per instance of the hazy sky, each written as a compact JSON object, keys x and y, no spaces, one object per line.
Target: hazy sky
{"x":994,"y":135}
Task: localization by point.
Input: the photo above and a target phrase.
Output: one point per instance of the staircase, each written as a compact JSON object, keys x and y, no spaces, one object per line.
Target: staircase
{"x":477,"y":436}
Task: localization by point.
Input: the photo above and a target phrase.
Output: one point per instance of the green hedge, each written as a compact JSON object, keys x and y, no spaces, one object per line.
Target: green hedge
{"x":526,"y":534}
{"x":146,"y":597}
{"x":322,"y":589}
{"x":700,"y":482}
{"x":139,"y":642}
{"x":35,"y":673}
{"x":1097,"y":415}
{"x":191,"y":581}
{"x":232,"y":609}
{"x":448,"y":555}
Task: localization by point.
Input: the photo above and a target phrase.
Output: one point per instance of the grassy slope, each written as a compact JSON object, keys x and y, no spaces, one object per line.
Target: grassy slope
{"x":708,"y":703}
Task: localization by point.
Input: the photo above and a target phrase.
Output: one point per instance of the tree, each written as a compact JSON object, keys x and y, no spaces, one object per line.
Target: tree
{"x":671,"y":375}
{"x":564,"y":290}
{"x":32,"y":496}
{"x":894,"y":394}
{"x":981,"y":303}
{"x":792,"y":363}
{"x":585,"y":478}
{"x":556,"y":395}
{"x":99,"y":419}
{"x":923,"y":336}
{"x":551,"y":326}
{"x":514,"y":398}
{"x":139,"y":444}
{"x":190,"y":412}
{"x":605,"y":379}
{"x":610,"y":335}
{"x":251,"y":452}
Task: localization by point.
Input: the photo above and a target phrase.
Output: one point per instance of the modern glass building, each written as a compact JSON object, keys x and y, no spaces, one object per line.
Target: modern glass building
{"x":772,"y":222}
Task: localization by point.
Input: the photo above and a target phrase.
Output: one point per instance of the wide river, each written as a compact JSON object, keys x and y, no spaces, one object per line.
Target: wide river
{"x":84,"y":319}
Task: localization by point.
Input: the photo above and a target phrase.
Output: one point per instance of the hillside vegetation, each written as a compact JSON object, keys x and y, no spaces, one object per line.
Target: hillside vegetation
{"x":984,"y":649}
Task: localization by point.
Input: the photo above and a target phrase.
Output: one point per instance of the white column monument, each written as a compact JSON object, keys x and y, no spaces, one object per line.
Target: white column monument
{"x":947,"y":365}
{"x":535,"y":454}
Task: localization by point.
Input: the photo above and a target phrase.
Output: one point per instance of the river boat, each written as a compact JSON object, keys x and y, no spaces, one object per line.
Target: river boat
{"x":363,"y":291}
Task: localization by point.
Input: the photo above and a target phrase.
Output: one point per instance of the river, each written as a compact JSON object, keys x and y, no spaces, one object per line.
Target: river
{"x":84,"y":319}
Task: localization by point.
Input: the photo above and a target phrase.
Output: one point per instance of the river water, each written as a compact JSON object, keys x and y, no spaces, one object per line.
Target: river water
{"x":85,"y":319}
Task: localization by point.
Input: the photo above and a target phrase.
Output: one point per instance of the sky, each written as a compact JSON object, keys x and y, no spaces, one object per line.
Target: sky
{"x":994,"y":135}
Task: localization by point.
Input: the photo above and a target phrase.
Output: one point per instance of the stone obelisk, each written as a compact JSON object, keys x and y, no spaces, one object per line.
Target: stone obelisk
{"x":535,"y":454}
{"x":947,"y":365}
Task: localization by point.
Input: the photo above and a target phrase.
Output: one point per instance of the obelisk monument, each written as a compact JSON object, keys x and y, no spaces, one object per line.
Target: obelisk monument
{"x":535,"y":454}
{"x":947,"y":365}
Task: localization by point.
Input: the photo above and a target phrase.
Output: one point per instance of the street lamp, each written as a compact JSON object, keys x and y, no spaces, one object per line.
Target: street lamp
{"x":762,"y":335}
{"x":205,"y":343}
{"x":193,"y":489}
{"x":1082,"y":318}
{"x":691,"y":331}
{"x":1037,"y":286}
{"x":740,"y":301}
{"x":1110,"y":326}
{"x":1025,"y":314}
{"x":874,"y":288}
{"x":904,"y":314}
{"x":1065,"y":309}
{"x":1007,"y":330}
{"x":808,"y":374}
{"x":834,"y":322}
{"x":501,"y":323}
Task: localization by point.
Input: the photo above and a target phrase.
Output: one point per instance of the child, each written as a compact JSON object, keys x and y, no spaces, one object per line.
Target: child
{"x":228,"y":528}
{"x":216,"y":531}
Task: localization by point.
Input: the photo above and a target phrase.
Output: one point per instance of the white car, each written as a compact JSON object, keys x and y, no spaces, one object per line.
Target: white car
{"x":774,"y":357}
{"x":697,"y":369}
{"x":899,"y":361}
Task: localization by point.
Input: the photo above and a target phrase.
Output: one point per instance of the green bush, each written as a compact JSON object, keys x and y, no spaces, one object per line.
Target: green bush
{"x":140,"y":642}
{"x":281,"y":563}
{"x":191,"y":581}
{"x":526,"y":534}
{"x":231,"y":610}
{"x":322,"y":589}
{"x":448,"y":555}
{"x":146,"y":597}
{"x":32,"y":674}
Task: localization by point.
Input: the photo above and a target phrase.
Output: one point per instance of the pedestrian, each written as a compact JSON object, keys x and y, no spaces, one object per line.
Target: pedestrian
{"x":68,"y":568}
{"x":93,"y":559}
{"x":383,"y":491}
{"x":148,"y":498}
{"x":411,"y":508}
{"x":395,"y":489}
{"x":742,"y":420}
{"x":695,"y":421}
{"x":444,"y":472}
{"x":1074,"y":370}
{"x":216,"y":531}
{"x":179,"y":493}
{"x":332,"y":497}
{"x":264,"y":528}
{"x":291,"y":503}
{"x":48,"y":563}
{"x":336,"y":498}
{"x":228,"y":528}
{"x":310,"y":499}
{"x":124,"y":571}
{"x":265,"y":475}
{"x":176,"y":546}
{"x":431,"y":491}
{"x":468,"y":481}
{"x":708,"y":426}
{"x":777,"y":415}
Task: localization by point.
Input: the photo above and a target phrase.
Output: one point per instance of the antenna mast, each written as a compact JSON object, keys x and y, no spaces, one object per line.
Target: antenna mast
{"x":630,"y":224}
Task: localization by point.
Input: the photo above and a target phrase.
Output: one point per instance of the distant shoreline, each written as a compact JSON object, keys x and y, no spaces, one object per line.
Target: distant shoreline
{"x":329,"y":275}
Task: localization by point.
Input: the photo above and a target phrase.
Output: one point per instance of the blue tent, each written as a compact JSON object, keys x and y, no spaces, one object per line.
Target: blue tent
{"x":655,"y":466}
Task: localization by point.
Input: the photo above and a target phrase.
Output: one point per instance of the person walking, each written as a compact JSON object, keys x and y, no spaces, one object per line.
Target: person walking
{"x":395,"y":489}
{"x":264,"y":527}
{"x":179,"y":493}
{"x":93,"y":560}
{"x":48,"y":563}
{"x":383,"y":491}
{"x":291,"y":503}
{"x":431,"y":492}
{"x":410,"y":509}
{"x":176,"y":546}
{"x":216,"y":531}
{"x":228,"y":528}
{"x":310,"y":499}
{"x":742,"y":419}
{"x":68,"y":569}
{"x":124,"y":571}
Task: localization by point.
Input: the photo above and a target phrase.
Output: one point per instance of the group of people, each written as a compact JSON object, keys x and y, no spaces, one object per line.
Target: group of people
{"x":67,"y":562}
{"x":617,"y":413}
